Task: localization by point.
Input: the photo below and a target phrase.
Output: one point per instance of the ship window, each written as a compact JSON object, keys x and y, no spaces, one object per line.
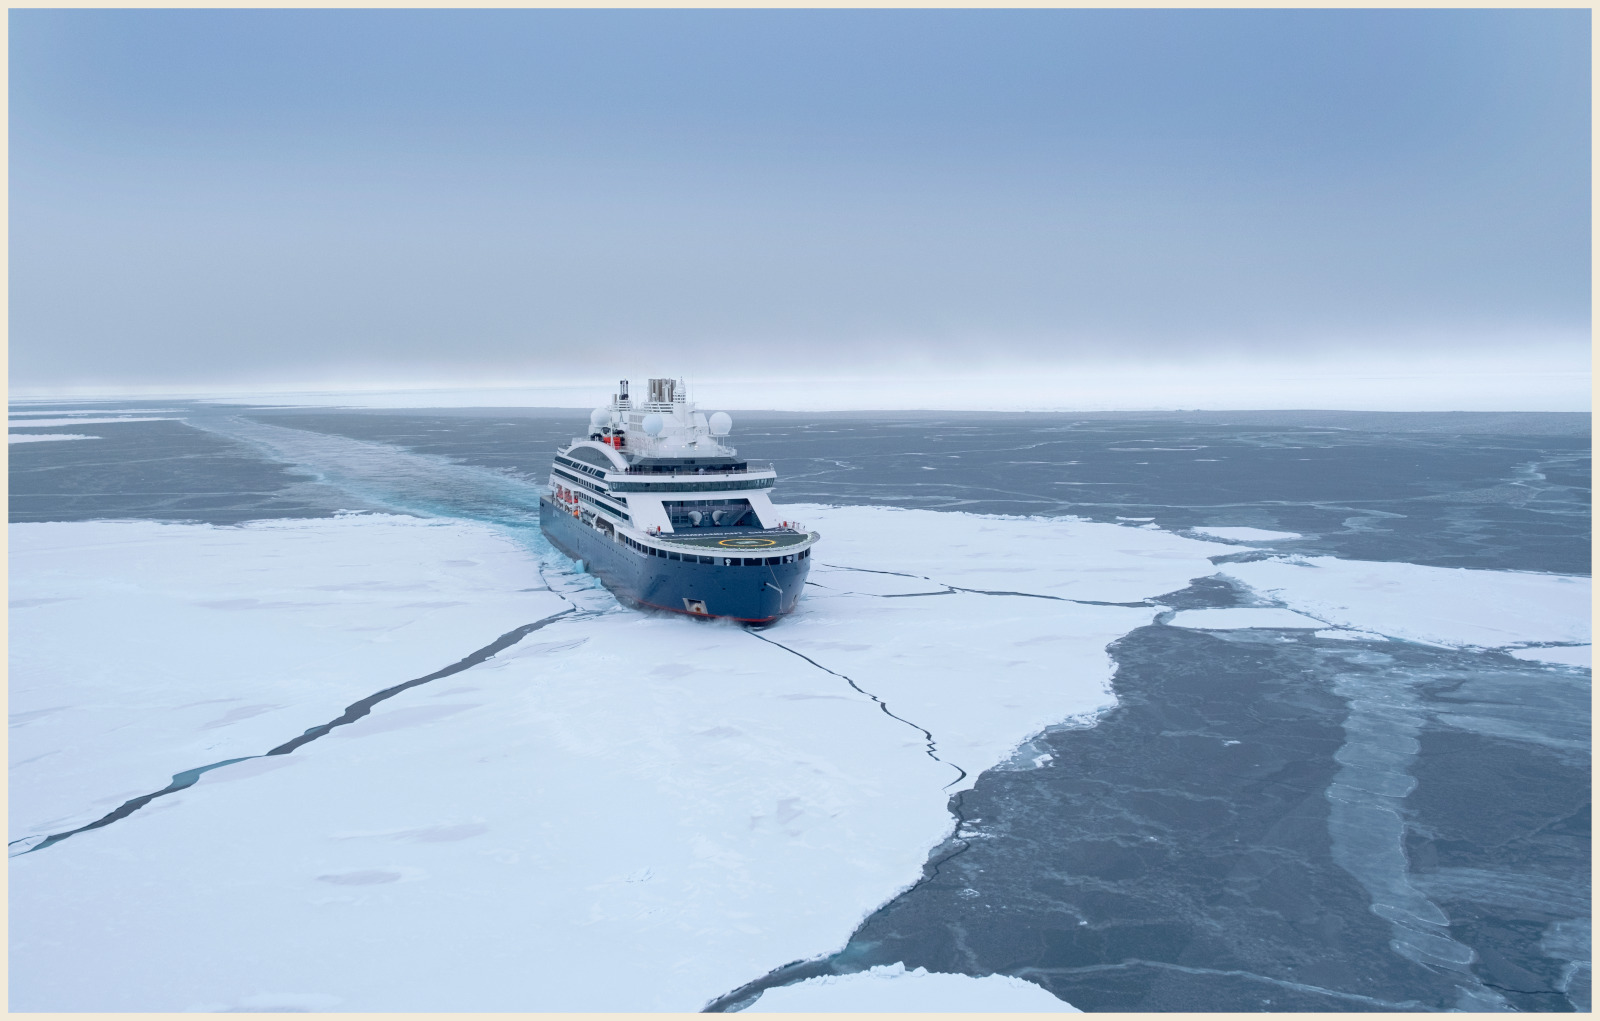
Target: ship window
{"x":673,"y":556}
{"x":752,"y":561}
{"x":590,"y":455}
{"x":804,"y":553}
{"x":709,"y":513}
{"x":774,"y":560}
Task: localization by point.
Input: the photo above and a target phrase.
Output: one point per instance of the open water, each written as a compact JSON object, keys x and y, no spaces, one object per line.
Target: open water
{"x":1216,"y":842}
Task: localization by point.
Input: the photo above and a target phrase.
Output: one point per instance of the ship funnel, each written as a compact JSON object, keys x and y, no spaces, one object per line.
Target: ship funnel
{"x":662,"y":391}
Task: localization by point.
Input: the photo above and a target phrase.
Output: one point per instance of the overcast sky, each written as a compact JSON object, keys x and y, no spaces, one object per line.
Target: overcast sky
{"x":260,"y":198}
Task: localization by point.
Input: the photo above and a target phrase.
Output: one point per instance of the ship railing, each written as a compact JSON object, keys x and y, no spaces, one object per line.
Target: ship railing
{"x":750,"y":466}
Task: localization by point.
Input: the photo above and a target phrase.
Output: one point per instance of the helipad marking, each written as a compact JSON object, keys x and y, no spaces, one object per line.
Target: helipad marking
{"x":747,"y":543}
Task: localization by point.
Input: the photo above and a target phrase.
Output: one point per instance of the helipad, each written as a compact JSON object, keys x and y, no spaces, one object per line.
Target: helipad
{"x":729,"y":543}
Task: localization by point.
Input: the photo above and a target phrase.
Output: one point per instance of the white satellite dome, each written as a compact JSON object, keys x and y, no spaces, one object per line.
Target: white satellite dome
{"x":599,"y":417}
{"x":721,"y":424}
{"x":653,"y":424}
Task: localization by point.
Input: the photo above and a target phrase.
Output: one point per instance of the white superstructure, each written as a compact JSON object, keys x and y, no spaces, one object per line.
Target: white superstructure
{"x":660,"y":466}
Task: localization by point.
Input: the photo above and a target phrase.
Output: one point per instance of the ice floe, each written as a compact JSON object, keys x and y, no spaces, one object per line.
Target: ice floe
{"x":1229,"y":618}
{"x":46,"y":437}
{"x":892,"y":989}
{"x":38,"y":423}
{"x":1562,"y":655}
{"x":1438,"y":605}
{"x":1346,"y":635}
{"x":1243,"y":534}
{"x":15,"y":414}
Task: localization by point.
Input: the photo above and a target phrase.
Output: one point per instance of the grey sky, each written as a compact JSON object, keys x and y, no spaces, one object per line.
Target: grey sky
{"x":257,"y":197}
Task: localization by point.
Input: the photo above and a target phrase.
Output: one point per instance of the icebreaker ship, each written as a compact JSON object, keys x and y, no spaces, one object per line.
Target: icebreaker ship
{"x":655,"y":504}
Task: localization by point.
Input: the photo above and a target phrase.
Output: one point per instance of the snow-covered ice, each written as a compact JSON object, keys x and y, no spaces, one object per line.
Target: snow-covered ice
{"x":1345,"y":635}
{"x":621,"y":812}
{"x":1229,"y":618}
{"x":890,"y":988}
{"x":1562,"y":655}
{"x":1245,"y":534}
{"x":36,"y":423}
{"x":46,"y":437}
{"x":15,"y":414}
{"x":140,"y":649}
{"x":1439,"y":605}
{"x":702,"y":802}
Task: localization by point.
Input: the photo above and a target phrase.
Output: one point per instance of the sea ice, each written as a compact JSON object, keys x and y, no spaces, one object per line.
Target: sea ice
{"x":1438,"y":605}
{"x":704,"y":802}
{"x":46,"y":437}
{"x":622,"y":812}
{"x":102,"y":412}
{"x":1562,"y":655}
{"x":1228,"y":618}
{"x":140,"y":649}
{"x":1245,"y":534}
{"x":36,"y":423}
{"x":1343,"y":635}
{"x":1063,"y":558}
{"x":892,"y":989}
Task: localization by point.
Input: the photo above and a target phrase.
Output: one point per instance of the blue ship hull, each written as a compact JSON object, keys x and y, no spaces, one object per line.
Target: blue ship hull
{"x":753,"y":593}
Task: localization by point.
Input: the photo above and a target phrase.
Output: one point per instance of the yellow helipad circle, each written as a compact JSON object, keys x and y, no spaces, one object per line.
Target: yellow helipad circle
{"x":747,"y":543}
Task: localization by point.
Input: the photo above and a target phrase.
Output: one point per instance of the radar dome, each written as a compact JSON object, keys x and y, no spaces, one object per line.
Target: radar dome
{"x":599,"y":417}
{"x":653,"y":424}
{"x":721,"y":424}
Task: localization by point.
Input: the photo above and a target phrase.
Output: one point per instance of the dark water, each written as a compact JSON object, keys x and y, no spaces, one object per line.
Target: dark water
{"x":1487,"y":491}
{"x":163,"y":471}
{"x":1267,"y":820}
{"x":1492,"y":491}
{"x":1185,"y":854}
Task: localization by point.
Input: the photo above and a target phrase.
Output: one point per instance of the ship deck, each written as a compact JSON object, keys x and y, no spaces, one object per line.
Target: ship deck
{"x":728,"y":542}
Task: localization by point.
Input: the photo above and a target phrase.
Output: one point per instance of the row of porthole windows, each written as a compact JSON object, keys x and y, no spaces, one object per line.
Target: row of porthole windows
{"x":651,"y":551}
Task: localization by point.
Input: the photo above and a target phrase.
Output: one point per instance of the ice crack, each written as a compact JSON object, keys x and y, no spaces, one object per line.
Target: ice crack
{"x":189,"y":777}
{"x":949,"y":589}
{"x":932,"y":746}
{"x":797,"y":971}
